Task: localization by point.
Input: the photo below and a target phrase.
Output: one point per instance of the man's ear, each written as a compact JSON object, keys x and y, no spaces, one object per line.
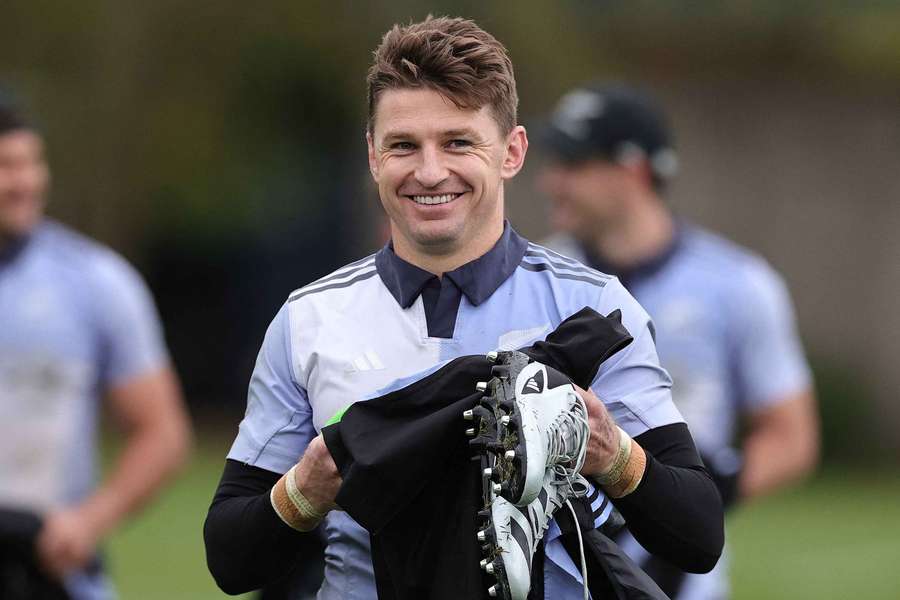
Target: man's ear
{"x":516,"y":148}
{"x":373,"y":162}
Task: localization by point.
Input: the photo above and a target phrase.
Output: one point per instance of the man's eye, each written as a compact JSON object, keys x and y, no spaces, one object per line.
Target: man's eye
{"x":403,"y":146}
{"x":459,"y":143}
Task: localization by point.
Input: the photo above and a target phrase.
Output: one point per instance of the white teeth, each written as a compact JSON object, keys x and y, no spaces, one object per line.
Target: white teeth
{"x":434,"y":199}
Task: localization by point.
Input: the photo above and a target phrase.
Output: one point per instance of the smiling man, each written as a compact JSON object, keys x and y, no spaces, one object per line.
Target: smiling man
{"x":454,"y":280}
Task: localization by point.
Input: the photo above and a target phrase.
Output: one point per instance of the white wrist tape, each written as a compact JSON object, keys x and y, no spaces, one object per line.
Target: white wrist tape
{"x":291,"y":505}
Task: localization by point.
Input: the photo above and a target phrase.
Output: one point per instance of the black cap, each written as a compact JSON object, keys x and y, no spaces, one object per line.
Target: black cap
{"x":12,"y":116}
{"x":611,"y":121}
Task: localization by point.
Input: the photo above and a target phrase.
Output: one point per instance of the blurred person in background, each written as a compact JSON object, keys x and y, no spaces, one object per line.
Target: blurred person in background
{"x":77,"y":323}
{"x":724,"y":322}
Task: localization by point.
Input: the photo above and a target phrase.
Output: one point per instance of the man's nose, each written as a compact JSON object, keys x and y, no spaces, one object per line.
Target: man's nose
{"x":431,"y":170}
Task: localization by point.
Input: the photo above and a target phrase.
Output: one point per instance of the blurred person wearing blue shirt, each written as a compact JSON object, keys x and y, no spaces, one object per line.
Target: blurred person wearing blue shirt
{"x":723,"y":318}
{"x":77,"y":324}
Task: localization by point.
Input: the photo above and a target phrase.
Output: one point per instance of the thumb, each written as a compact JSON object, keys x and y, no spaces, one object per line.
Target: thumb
{"x":594,"y":406}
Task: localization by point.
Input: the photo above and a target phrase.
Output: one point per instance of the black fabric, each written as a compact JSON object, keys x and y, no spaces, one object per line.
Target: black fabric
{"x":304,"y":581}
{"x":247,"y":545}
{"x":676,"y":512}
{"x":19,"y":530}
{"x":668,"y":576}
{"x":21,"y":579}
{"x":20,"y":576}
{"x":725,"y":468}
{"x":408,"y":477}
{"x":536,"y":591}
{"x":11,"y":248}
{"x":611,"y":573}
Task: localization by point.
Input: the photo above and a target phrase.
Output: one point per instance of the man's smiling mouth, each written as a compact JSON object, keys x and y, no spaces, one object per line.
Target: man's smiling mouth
{"x":428,"y":200}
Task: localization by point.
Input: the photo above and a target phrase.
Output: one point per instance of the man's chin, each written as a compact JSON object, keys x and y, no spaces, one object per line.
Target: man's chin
{"x":437,"y":238}
{"x":15,"y":228}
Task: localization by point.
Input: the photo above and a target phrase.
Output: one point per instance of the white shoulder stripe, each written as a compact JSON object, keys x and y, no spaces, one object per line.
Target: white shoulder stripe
{"x":341,"y":273}
{"x":552,"y":253}
{"x":346,"y":269}
{"x":344,"y":281}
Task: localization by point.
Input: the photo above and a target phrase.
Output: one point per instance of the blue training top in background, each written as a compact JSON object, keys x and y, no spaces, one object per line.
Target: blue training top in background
{"x":75,"y":320}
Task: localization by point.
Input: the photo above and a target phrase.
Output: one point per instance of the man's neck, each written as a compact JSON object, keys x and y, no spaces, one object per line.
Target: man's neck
{"x":440,"y":262}
{"x":637,"y":238}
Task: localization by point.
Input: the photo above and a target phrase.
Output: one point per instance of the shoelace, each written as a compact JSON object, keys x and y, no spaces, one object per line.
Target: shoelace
{"x":570,"y":492}
{"x":563,"y":445}
{"x":569,"y":481}
{"x":584,"y":579}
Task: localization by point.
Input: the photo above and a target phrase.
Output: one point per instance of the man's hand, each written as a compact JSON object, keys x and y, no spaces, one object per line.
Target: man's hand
{"x":604,"y":442}
{"x":67,"y":542}
{"x":303,"y":496}
{"x":317,"y":476}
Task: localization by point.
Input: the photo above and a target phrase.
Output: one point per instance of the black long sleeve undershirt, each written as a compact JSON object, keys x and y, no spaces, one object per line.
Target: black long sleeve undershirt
{"x":675,"y":513}
{"x":247,"y":545}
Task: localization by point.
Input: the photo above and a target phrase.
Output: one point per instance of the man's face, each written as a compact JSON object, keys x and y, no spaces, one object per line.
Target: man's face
{"x":587,"y":196}
{"x":23,"y":182}
{"x":440,"y":170}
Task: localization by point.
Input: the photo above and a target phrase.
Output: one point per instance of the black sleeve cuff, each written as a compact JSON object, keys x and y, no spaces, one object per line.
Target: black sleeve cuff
{"x":247,"y":544}
{"x":19,"y":529}
{"x":676,"y":511}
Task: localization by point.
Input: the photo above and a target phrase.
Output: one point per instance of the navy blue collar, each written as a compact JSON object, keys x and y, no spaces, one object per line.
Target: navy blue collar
{"x":13,"y":248}
{"x":477,"y":279}
{"x":644,"y":269}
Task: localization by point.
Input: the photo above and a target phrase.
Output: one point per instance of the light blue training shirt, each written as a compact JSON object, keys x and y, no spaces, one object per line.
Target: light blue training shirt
{"x":363,"y":331}
{"x":75,"y":321}
{"x":726,"y":332}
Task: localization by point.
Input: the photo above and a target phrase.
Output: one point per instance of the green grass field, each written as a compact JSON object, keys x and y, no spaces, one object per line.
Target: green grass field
{"x":836,"y":537}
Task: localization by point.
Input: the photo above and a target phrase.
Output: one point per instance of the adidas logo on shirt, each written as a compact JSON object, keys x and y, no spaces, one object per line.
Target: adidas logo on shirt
{"x":368,"y":361}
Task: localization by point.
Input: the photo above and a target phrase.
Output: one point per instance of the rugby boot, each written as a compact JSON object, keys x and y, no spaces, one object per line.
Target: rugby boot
{"x":509,"y":534}
{"x":541,"y":423}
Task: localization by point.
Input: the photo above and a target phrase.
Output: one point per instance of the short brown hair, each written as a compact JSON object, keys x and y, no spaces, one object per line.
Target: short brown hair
{"x":452,"y":56}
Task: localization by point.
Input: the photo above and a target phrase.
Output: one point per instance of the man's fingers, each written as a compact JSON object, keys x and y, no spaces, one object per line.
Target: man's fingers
{"x":317,"y":475}
{"x":594,"y":406}
{"x":63,"y":546}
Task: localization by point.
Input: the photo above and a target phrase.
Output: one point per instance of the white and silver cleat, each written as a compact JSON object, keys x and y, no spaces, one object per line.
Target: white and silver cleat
{"x":512,"y":534}
{"x":543,"y":424}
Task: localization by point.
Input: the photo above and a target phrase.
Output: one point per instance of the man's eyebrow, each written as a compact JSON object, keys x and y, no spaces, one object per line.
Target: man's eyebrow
{"x":463,"y":132}
{"x":393,"y":136}
{"x":400,"y":135}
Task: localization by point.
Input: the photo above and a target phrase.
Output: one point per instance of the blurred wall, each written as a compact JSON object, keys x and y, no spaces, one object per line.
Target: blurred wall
{"x":807,"y":177}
